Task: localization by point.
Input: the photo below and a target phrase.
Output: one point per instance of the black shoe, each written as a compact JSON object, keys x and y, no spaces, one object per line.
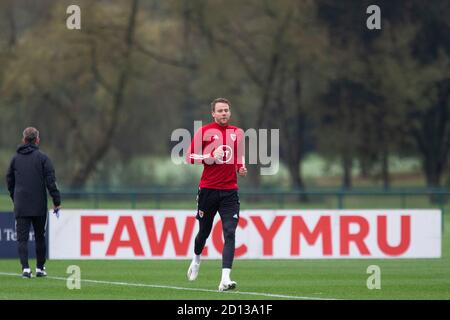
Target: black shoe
{"x":41,"y":272}
{"x":26,"y":273}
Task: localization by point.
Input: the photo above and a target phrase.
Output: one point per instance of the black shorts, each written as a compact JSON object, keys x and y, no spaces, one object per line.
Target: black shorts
{"x":209,"y":201}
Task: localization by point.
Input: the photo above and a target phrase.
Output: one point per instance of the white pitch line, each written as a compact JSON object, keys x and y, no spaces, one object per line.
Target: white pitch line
{"x":271,"y":295}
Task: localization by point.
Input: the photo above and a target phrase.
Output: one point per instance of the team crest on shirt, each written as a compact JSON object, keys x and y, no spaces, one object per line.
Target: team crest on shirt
{"x":233,"y":136}
{"x":200,"y":213}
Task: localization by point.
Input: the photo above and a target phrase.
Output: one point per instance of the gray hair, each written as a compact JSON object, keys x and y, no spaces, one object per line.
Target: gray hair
{"x":30,"y":135}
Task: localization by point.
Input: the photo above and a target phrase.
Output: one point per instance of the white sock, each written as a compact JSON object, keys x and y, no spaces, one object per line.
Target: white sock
{"x":226,"y":275}
{"x":196,"y":259}
{"x":27,"y":270}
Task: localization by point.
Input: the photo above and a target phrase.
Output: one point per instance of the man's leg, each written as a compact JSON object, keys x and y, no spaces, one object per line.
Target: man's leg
{"x":39,"y":226}
{"x":206,"y":211}
{"x":229,"y":214}
{"x":23,"y":225}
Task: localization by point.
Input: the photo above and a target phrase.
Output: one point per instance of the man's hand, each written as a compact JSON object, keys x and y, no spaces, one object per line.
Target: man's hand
{"x":56,"y":210}
{"x":218,"y":154}
{"x":242,"y":171}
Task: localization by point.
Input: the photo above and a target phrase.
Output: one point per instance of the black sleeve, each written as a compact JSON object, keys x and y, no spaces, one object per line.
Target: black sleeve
{"x":50,"y":181}
{"x":11,"y":179}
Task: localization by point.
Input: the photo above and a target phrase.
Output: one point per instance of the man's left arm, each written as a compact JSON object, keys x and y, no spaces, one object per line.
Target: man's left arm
{"x":50,"y":182}
{"x":240,"y":153}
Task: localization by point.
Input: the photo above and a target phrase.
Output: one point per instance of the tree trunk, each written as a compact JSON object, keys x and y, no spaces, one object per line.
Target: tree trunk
{"x":364,"y":166}
{"x":432,"y":172}
{"x":433,"y":137}
{"x":347,"y":168}
{"x":12,"y":25}
{"x":80,"y":177}
{"x":385,"y":169}
{"x":295,"y":175}
{"x":299,"y":132}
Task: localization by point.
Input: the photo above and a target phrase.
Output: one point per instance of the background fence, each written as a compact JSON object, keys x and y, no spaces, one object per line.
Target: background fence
{"x":177,"y":198}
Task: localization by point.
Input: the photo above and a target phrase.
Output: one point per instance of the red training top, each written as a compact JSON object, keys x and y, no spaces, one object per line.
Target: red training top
{"x":218,"y":174}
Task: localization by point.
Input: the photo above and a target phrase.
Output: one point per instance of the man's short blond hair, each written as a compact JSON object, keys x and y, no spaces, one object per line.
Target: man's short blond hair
{"x":30,"y":135}
{"x":223,"y":100}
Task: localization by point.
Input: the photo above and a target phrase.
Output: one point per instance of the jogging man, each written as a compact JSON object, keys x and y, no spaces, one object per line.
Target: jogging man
{"x":219,"y":147}
{"x":29,"y":175}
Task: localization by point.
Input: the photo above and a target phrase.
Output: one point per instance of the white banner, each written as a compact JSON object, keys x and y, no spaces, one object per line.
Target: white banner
{"x":261,"y":234}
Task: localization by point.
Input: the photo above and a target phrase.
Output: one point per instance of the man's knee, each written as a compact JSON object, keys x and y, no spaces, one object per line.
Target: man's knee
{"x":22,"y":236}
{"x":39,"y":238}
{"x":229,"y":231}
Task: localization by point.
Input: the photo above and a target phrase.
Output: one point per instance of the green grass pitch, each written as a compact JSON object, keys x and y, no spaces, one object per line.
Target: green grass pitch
{"x":257,"y":279}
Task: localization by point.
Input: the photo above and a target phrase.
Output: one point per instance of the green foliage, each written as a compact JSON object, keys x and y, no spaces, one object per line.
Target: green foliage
{"x":106,"y":104}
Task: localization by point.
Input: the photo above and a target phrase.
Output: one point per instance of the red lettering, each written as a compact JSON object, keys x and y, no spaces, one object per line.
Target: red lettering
{"x":217,"y":238}
{"x":169,"y":228}
{"x":405,"y":236}
{"x":87,"y":236}
{"x":358,"y":238}
{"x":125,"y":222}
{"x":299,"y":228}
{"x":267,"y":234}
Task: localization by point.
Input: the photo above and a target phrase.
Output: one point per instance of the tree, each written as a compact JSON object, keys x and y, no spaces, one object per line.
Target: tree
{"x":399,"y":79}
{"x":275,"y":46}
{"x":420,"y":89}
{"x":63,"y":77}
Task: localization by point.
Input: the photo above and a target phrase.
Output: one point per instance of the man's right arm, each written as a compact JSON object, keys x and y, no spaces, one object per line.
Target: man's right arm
{"x":11,"y":179}
{"x":195,"y":151}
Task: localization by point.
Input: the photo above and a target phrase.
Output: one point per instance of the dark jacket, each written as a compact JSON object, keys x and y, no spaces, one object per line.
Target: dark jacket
{"x":29,"y":175}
